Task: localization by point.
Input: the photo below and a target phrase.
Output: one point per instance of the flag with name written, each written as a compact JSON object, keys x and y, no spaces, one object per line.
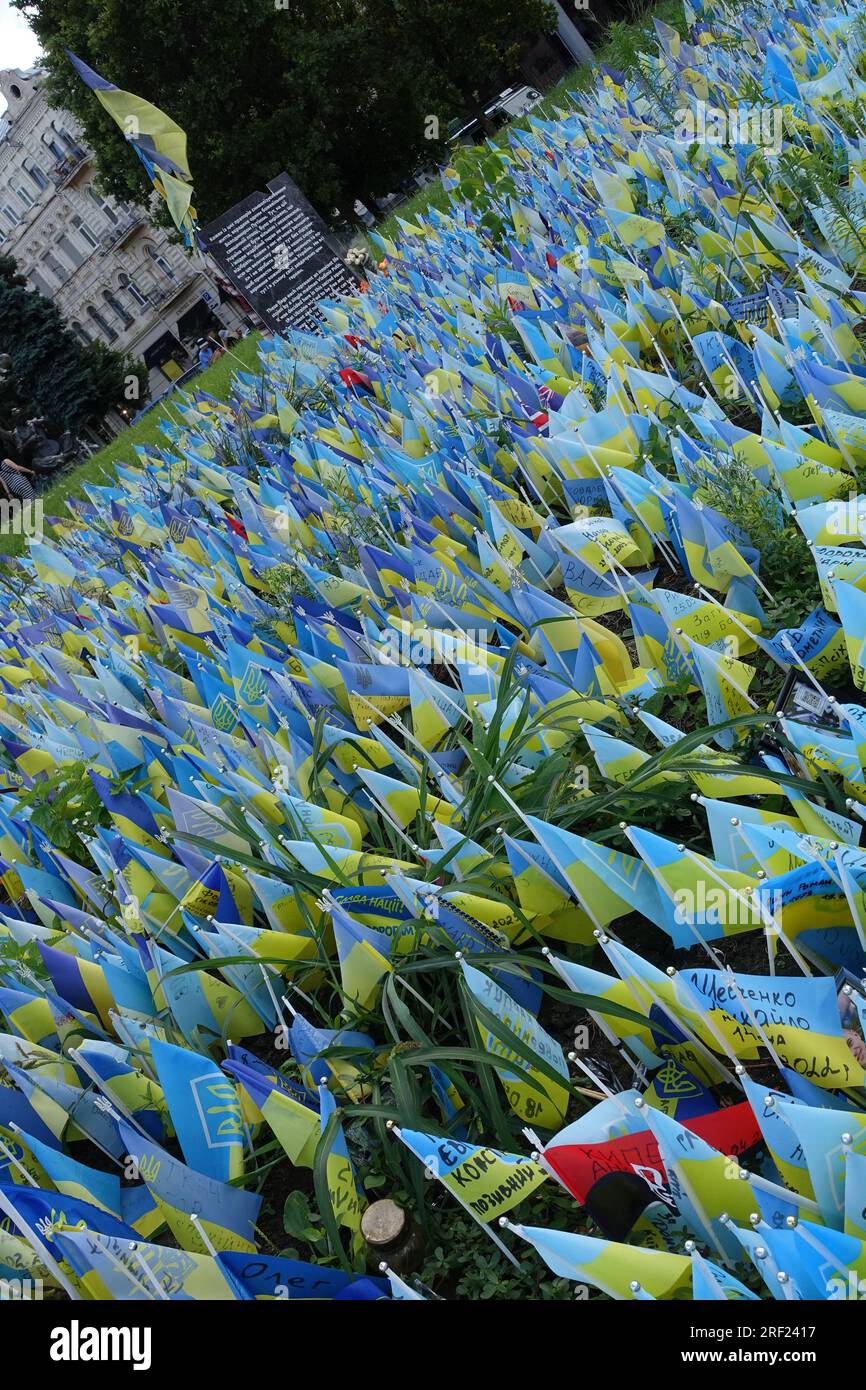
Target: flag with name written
{"x":485,"y":1181}
{"x":227,"y":1214}
{"x":533,"y":1094}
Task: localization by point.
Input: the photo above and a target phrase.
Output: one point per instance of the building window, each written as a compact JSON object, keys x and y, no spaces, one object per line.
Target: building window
{"x":71,"y":143}
{"x":132,"y":290}
{"x":56,"y":149}
{"x":160,"y":262}
{"x":58,"y":270}
{"x":114,"y":303}
{"x":23,"y":194}
{"x":85,"y":233}
{"x":104,"y":206}
{"x":104,"y":327}
{"x":71,"y":251}
{"x":79,"y":331}
{"x":38,"y":177}
{"x":10,"y":214}
{"x":39,"y":284}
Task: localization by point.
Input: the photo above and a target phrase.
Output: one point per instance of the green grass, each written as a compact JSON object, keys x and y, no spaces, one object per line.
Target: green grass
{"x":99,"y":468}
{"x":215,"y":379}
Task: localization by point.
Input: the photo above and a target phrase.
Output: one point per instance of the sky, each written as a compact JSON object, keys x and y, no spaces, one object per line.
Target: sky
{"x":18,"y":46}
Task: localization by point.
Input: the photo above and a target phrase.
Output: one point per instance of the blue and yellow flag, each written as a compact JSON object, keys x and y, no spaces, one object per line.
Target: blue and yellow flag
{"x":227,"y":1214}
{"x":159,"y":143}
{"x":608,"y":1265}
{"x":204,"y":1108}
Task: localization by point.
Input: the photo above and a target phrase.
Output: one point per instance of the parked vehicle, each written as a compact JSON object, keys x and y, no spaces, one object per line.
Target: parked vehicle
{"x":513,"y":102}
{"x":507,"y":106}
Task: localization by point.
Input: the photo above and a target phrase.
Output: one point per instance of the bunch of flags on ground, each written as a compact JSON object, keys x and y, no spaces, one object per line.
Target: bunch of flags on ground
{"x":313,"y":649}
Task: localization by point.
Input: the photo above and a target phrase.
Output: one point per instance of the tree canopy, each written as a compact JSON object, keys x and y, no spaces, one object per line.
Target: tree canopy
{"x":336,"y":92}
{"x":52,"y":374}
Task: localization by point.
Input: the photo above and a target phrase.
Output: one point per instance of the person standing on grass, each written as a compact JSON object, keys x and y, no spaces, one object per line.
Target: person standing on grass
{"x":216,"y":346}
{"x":205,"y":354}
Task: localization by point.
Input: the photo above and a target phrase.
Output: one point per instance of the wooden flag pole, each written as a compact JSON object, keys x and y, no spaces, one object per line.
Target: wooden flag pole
{"x":596,"y":1080}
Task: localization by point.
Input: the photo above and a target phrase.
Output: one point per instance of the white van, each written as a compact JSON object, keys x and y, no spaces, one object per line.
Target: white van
{"x":513,"y":102}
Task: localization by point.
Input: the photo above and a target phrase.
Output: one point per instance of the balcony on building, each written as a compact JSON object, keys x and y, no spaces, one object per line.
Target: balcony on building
{"x":159,"y":298}
{"x":68,"y":169}
{"x":125,"y":230}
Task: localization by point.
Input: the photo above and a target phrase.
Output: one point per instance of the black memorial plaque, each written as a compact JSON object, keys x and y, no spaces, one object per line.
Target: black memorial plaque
{"x":278,"y":252}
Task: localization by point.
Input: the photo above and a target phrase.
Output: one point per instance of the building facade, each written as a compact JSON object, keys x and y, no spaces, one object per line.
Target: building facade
{"x":112,"y":275}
